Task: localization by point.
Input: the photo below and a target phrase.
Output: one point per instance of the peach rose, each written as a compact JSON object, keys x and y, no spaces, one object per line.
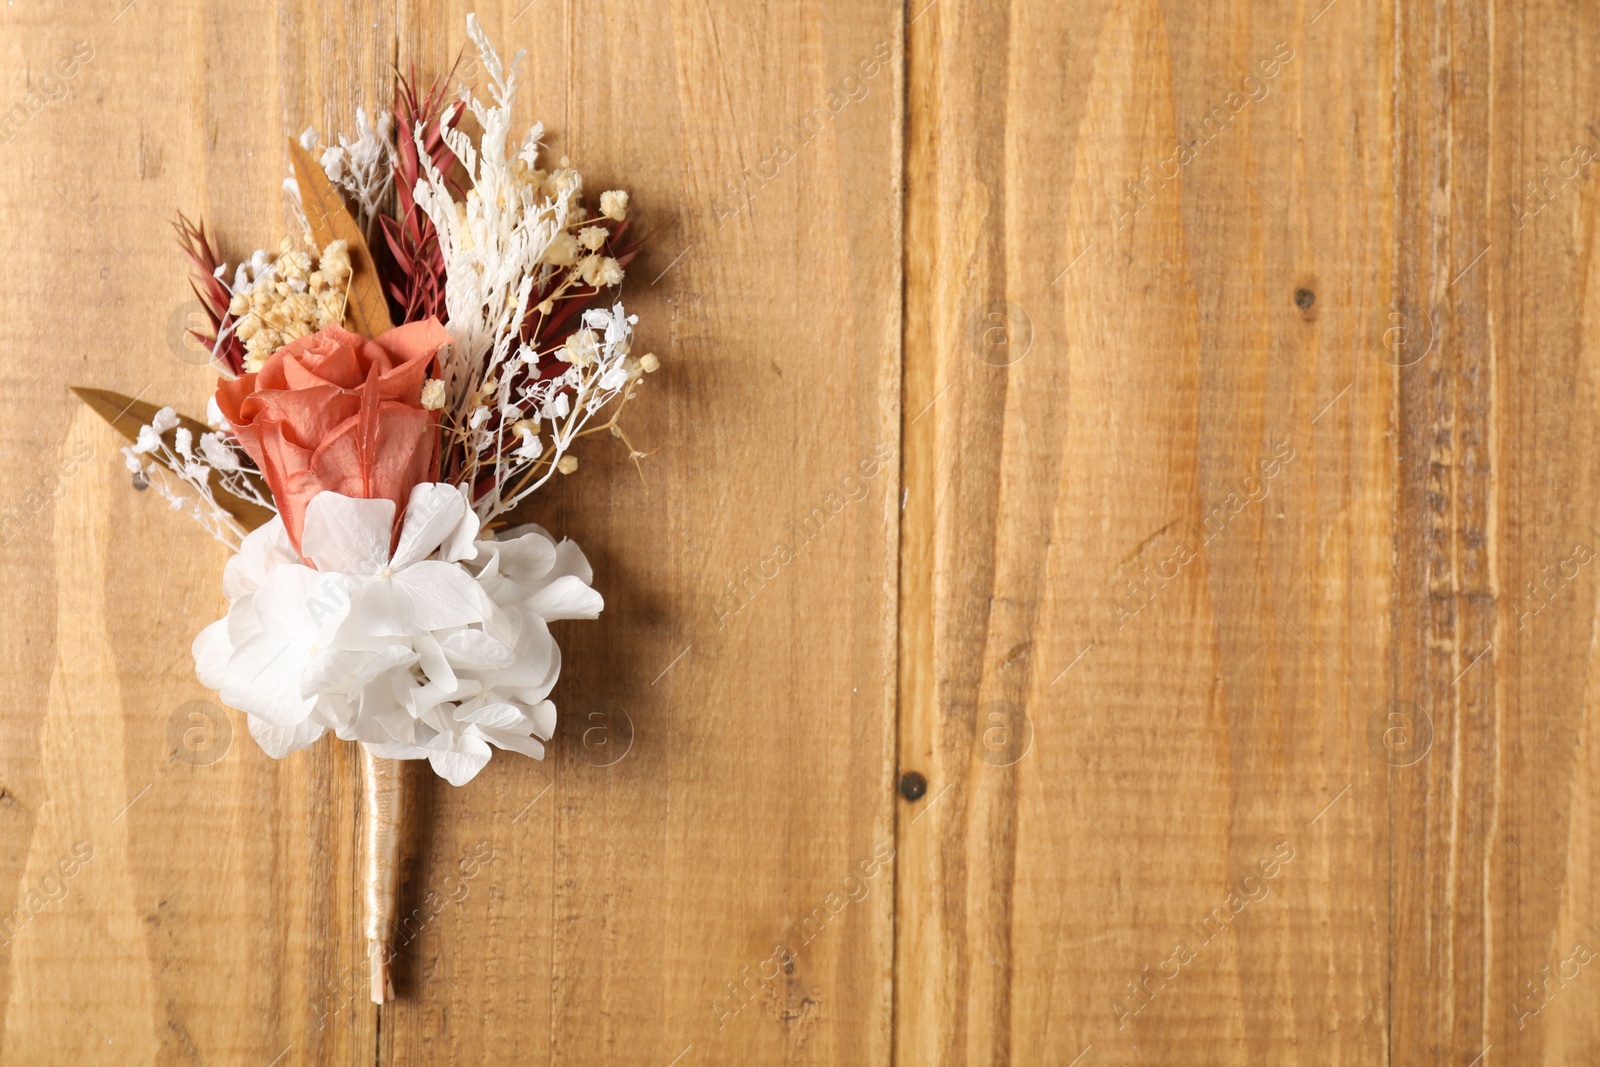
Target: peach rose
{"x":335,"y":410}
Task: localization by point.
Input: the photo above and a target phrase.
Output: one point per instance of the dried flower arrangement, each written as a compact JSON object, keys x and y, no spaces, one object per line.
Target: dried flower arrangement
{"x":392,"y":386}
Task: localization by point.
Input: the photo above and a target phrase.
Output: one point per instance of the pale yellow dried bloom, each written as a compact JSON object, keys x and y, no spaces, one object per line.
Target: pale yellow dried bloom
{"x":563,"y":251}
{"x":335,"y":263}
{"x":564,"y":183}
{"x":294,"y":266}
{"x":329,"y":304}
{"x":433,"y":394}
{"x":614,"y":204}
{"x":591,"y":237}
{"x":581,"y":347}
{"x":303,"y":307}
{"x":649,"y":363}
{"x":567,"y":464}
{"x":610,"y":272}
{"x":305,"y":293}
{"x":527,"y":174}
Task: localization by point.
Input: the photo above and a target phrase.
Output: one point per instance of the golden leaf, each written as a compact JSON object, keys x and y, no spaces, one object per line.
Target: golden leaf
{"x":366,"y":311}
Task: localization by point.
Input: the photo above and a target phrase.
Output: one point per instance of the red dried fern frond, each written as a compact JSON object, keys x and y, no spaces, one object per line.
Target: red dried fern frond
{"x":416,"y":277}
{"x":214,"y":296}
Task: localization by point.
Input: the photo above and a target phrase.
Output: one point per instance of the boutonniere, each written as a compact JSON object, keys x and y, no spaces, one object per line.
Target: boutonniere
{"x":394,"y":382}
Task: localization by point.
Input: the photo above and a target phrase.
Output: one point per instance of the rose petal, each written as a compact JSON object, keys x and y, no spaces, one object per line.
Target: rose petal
{"x":336,"y":411}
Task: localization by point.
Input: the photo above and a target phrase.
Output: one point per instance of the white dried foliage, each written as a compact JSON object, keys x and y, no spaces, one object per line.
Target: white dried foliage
{"x":192,"y":464}
{"x":508,"y":240}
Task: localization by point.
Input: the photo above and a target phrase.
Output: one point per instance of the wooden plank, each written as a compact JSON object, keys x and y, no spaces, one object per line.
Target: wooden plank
{"x":633,"y":908}
{"x":208,"y":914}
{"x":1496,"y":608}
{"x":1238,"y":616}
{"x":749,"y":712}
{"x":1331,"y":657}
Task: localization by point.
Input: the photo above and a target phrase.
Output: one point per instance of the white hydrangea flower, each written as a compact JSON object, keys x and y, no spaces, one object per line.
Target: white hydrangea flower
{"x":438,"y":650}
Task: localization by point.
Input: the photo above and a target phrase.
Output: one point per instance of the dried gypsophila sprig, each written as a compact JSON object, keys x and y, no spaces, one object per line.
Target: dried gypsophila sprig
{"x":274,"y":298}
{"x":515,"y":454}
{"x":509,"y":258}
{"x":363,"y":167}
{"x":194,"y":463}
{"x":278,"y":299}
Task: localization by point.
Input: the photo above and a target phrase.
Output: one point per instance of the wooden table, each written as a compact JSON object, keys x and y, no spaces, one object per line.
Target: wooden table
{"x":1110,"y":586}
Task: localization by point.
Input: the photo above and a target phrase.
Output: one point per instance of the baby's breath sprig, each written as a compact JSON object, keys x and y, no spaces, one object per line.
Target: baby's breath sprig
{"x":167,"y":451}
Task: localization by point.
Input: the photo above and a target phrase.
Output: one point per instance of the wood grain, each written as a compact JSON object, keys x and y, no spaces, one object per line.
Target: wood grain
{"x":724,"y":760}
{"x":1249,"y":510}
{"x":1168,"y":429}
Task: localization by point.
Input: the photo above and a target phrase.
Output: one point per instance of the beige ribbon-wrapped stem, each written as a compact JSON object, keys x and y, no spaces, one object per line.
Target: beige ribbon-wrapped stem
{"x":383,"y":790}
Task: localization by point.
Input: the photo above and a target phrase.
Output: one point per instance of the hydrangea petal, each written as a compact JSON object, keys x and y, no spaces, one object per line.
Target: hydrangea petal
{"x":434,"y":595}
{"x":279,"y":741}
{"x":458,"y":759}
{"x":543,"y":715}
{"x":433,"y":515}
{"x":263,"y":679}
{"x":477,"y":651}
{"x":262,"y":549}
{"x":347,"y":535}
{"x":528,"y":557}
{"x":568,"y":597}
{"x":514,"y":742}
{"x":571,"y":560}
{"x":304,"y":650}
{"x":499,"y":714}
{"x":211,"y":651}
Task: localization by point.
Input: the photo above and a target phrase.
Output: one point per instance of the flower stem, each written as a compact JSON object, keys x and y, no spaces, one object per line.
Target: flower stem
{"x":383,"y":790}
